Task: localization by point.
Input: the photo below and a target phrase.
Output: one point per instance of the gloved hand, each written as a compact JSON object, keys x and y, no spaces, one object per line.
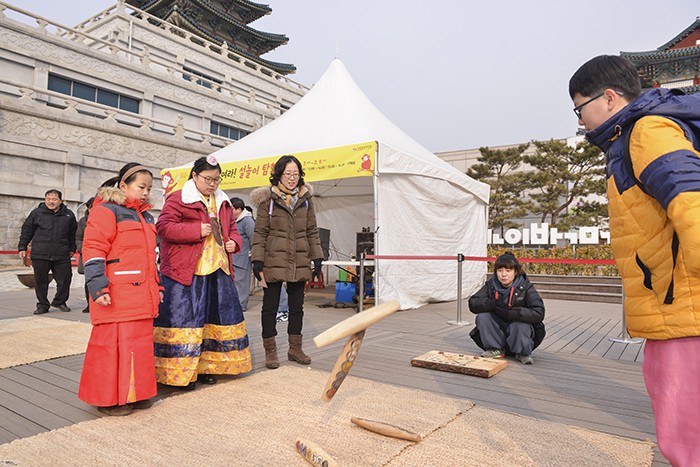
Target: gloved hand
{"x":502,"y":311}
{"x":257,"y":269}
{"x":317,"y":268}
{"x":489,"y":304}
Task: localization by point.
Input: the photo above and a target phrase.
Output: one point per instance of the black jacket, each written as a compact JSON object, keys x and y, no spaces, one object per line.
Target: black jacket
{"x":526,"y":306}
{"x":52,"y":233}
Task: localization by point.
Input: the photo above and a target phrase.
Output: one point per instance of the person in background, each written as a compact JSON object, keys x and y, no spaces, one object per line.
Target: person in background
{"x":119,"y":248}
{"x":79,"y":234}
{"x":653,"y":186}
{"x":241,"y":259}
{"x":509,"y":313}
{"x":51,"y":230}
{"x":200,"y":331}
{"x":283,"y":309}
{"x":285,"y":242}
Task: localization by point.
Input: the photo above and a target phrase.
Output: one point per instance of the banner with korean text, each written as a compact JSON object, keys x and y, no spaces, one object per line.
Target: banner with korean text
{"x":357,"y":160}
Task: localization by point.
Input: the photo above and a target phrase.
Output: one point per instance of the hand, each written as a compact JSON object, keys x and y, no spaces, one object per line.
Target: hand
{"x":230,"y":246}
{"x":257,"y":269}
{"x":22,"y":254}
{"x":502,"y":311}
{"x":317,"y":268}
{"x":161,"y":296}
{"x":104,"y":300}
{"x":206,"y":230}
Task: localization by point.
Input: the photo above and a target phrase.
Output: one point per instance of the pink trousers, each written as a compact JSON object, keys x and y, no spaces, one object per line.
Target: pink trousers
{"x":672,"y":376}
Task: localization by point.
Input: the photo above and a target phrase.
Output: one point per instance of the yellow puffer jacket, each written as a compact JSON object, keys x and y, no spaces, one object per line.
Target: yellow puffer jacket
{"x":642,"y":225}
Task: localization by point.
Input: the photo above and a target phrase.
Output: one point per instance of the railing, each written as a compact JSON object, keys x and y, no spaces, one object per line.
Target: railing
{"x":255,"y":95}
{"x":192,"y":38}
{"x":626,"y":339}
{"x":108,"y":114}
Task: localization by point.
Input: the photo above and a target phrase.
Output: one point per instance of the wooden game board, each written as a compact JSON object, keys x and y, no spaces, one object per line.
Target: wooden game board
{"x":459,"y":363}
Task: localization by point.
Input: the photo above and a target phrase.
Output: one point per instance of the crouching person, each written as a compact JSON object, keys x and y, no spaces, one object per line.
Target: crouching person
{"x":509,"y":313}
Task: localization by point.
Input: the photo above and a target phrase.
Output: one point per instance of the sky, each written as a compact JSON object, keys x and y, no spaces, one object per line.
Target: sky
{"x":453,"y":74}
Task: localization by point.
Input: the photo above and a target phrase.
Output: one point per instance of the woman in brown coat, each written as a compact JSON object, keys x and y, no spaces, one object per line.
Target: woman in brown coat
{"x":285,"y":242}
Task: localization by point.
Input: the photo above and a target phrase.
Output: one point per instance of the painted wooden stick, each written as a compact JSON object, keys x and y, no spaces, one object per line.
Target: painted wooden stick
{"x":386,"y":429}
{"x":314,"y":454}
{"x":342,"y":365}
{"x":356,"y":323}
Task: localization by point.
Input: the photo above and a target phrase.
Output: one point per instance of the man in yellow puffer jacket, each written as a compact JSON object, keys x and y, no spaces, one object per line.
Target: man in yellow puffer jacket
{"x":654,"y":207}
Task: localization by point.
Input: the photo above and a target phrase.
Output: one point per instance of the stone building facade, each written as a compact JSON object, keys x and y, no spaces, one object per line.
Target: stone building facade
{"x":76,"y":104}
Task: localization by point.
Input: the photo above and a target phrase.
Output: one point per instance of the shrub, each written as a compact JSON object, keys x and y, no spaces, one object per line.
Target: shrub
{"x":569,"y":252}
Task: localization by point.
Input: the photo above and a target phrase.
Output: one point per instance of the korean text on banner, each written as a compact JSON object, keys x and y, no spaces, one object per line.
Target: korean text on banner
{"x":356,"y":160}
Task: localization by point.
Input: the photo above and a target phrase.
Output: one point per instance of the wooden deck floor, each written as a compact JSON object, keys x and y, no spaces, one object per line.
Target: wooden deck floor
{"x":579,"y":377}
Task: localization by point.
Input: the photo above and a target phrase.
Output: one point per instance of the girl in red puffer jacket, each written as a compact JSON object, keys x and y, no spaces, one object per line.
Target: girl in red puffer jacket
{"x":121,"y":276}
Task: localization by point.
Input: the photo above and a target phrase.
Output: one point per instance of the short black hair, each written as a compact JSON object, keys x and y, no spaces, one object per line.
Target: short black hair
{"x":54,"y":192}
{"x":280,"y":166}
{"x":508,"y":260}
{"x":606,"y":72}
{"x":237,"y":203}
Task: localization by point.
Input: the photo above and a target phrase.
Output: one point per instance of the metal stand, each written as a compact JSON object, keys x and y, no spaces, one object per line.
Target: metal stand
{"x":361,"y":285}
{"x":625,"y":339}
{"x":459,"y":322}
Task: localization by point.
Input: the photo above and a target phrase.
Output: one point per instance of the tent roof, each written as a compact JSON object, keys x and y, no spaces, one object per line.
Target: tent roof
{"x":335,"y":112}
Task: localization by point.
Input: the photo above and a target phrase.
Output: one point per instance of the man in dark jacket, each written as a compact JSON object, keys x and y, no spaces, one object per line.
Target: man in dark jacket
{"x":51,"y":230}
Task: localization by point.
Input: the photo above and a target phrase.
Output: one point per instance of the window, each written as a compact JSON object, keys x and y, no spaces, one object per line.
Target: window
{"x":226,"y":131}
{"x":92,"y":93}
{"x":188,"y":72}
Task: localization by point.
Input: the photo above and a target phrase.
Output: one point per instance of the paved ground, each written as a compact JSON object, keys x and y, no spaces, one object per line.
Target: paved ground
{"x":579,"y":378}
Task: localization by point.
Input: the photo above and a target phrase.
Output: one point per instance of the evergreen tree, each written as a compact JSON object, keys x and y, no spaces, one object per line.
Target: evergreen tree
{"x":565,"y":174}
{"x":497,"y":168}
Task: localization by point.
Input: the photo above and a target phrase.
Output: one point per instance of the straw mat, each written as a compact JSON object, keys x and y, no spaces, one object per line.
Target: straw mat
{"x":256,"y":419}
{"x":36,"y":338}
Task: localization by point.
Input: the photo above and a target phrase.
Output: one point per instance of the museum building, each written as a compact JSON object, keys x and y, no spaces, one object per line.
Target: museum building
{"x":160,"y":82}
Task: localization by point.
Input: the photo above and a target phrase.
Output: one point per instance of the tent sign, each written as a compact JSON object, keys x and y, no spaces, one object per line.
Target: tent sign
{"x":355,"y":160}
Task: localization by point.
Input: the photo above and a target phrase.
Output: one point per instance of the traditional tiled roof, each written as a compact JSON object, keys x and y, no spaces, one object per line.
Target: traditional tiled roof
{"x":666,"y":52}
{"x":657,"y":55}
{"x":260,"y":7}
{"x":682,"y":35}
{"x":193,"y":26}
{"x":201,"y":18}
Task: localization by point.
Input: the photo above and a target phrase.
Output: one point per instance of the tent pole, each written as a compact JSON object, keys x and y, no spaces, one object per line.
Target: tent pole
{"x":361,"y":285}
{"x":377,"y":251}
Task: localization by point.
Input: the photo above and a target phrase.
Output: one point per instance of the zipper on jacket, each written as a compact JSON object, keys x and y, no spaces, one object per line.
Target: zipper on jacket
{"x":646,"y":272}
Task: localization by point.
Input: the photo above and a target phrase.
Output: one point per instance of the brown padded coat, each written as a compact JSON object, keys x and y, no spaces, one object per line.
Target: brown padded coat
{"x":285,"y":240}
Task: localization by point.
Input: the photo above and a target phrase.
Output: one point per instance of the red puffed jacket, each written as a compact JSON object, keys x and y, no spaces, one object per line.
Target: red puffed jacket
{"x":119,"y":248}
{"x":179,"y":228}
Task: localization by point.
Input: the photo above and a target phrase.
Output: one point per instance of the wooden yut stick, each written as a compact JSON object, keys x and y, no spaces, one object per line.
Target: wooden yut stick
{"x":356,"y":323}
{"x":314,"y":454}
{"x":342,"y":365}
{"x":386,"y":429}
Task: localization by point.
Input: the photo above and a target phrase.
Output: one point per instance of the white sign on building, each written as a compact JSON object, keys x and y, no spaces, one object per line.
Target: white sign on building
{"x":542,"y":234}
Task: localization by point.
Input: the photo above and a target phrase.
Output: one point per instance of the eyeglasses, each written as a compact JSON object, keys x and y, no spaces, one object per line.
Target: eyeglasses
{"x":210,"y":180}
{"x":577,"y":109}
{"x":291,"y":174}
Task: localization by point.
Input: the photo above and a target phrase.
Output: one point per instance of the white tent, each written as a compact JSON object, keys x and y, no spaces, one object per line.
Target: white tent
{"x":416,"y":203}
